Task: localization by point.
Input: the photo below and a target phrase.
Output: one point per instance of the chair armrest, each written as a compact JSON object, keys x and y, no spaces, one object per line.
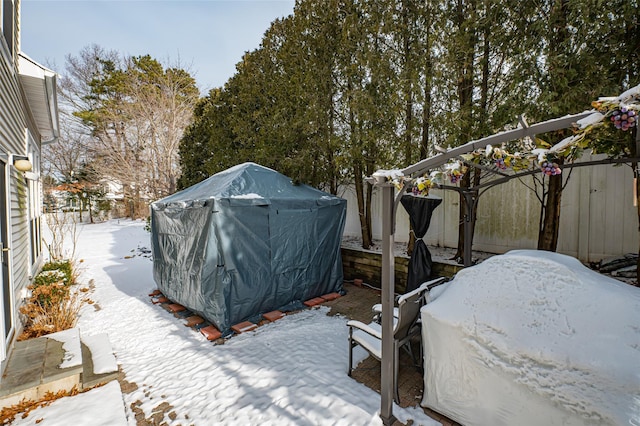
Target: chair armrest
{"x":364,"y":327}
{"x":377,"y":312}
{"x":435,"y":283}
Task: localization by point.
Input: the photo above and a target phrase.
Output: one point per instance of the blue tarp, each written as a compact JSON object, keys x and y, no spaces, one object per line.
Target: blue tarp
{"x":244,"y":242}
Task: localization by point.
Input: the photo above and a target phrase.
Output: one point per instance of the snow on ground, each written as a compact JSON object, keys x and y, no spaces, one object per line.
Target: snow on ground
{"x":98,"y":407}
{"x":291,"y":372}
{"x":101,"y":353}
{"x":70,"y":340}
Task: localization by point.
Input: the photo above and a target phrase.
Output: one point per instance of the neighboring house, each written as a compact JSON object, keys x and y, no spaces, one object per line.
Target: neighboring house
{"x":112,"y":189}
{"x":28,"y":119}
{"x":62,"y":198}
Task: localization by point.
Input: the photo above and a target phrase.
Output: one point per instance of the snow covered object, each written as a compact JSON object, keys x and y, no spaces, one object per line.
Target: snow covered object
{"x":533,"y":338}
{"x":244,"y":242}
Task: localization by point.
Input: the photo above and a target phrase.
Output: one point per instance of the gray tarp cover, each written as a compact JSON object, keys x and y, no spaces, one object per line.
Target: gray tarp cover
{"x":244,"y":242}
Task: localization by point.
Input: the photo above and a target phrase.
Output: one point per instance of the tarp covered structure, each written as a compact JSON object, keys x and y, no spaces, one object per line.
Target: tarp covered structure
{"x":244,"y":242}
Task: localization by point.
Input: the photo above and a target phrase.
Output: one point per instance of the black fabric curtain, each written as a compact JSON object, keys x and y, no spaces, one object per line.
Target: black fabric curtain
{"x":420,"y":210}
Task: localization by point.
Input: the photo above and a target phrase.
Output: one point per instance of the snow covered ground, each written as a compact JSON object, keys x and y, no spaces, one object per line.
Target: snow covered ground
{"x":291,"y":372}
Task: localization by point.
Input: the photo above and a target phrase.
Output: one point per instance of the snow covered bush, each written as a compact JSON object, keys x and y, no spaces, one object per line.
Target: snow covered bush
{"x":54,"y":301}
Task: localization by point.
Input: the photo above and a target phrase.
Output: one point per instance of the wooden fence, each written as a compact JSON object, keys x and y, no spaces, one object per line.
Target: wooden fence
{"x":598,"y":217}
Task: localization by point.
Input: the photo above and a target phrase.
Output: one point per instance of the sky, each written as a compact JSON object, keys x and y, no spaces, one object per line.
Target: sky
{"x":207,"y":37}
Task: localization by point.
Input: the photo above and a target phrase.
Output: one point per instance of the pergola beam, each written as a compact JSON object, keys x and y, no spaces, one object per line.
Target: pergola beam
{"x":507,"y":178}
{"x":496,"y":139}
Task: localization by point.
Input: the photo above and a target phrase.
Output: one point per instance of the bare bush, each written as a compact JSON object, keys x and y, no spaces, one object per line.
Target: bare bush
{"x":63,"y":235}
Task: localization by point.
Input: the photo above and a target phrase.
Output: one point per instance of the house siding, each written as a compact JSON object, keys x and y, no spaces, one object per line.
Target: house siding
{"x":19,"y":238}
{"x":15,"y":125}
{"x":12,"y":122}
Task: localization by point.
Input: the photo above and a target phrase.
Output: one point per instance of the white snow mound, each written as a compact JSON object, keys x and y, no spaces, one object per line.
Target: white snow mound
{"x":530,"y":338}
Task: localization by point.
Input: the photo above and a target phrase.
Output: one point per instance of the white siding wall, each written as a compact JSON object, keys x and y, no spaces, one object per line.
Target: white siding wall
{"x":12,"y":122}
{"x":598,"y":218}
{"x":13,"y":141}
{"x":19,"y":239}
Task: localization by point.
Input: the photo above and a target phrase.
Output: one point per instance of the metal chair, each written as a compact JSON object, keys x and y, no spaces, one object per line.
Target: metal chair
{"x":425,"y":289}
{"x":369,"y":336}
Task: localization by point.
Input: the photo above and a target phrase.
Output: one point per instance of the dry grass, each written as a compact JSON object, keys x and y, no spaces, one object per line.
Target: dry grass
{"x":54,"y":303}
{"x":24,"y":407}
{"x":47,"y":318}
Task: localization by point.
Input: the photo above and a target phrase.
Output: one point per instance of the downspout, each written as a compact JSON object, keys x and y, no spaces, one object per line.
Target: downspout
{"x":52,"y":104}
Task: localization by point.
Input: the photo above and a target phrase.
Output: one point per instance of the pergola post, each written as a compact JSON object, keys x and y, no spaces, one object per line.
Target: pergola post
{"x":636,"y":181}
{"x":388,"y":286}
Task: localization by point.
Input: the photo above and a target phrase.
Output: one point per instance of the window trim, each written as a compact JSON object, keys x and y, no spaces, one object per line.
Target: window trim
{"x":7,"y":46}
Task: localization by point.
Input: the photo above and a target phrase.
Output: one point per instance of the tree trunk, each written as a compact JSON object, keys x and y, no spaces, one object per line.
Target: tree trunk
{"x":465,"y":182}
{"x":407,"y":84}
{"x":365,"y":229}
{"x":550,"y":212}
{"x":468,"y":40}
{"x":484,"y":84}
{"x":426,"y":112}
{"x":359,"y":170}
{"x":466,"y":55}
{"x":330,"y":152}
{"x":550,"y":208}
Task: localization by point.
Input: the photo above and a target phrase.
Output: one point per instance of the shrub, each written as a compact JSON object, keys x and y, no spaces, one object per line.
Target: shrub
{"x":50,"y":277}
{"x":63,"y":266}
{"x":54,"y":304}
{"x":52,"y":284}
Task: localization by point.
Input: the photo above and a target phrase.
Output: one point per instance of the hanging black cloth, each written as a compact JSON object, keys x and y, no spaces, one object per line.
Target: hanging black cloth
{"x":420,"y":210}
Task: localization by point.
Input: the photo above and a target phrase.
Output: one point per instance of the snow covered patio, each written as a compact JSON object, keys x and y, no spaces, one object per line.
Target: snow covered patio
{"x":292,"y":371}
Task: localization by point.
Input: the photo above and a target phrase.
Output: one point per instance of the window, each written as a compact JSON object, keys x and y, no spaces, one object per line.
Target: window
{"x":35,"y":205}
{"x":8,"y":10}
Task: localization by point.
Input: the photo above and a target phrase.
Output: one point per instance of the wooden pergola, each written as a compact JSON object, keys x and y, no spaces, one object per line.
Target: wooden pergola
{"x":470,"y":195}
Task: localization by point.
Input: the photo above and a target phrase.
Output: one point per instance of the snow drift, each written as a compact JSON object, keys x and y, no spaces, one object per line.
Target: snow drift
{"x":533,"y":338}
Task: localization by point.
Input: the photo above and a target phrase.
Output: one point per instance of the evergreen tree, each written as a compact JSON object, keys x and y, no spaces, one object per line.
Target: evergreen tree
{"x":344,"y":87}
{"x":577,"y":64}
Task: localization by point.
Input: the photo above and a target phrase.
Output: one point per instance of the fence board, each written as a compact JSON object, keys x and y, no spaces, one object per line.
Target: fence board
{"x":597,"y":219}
